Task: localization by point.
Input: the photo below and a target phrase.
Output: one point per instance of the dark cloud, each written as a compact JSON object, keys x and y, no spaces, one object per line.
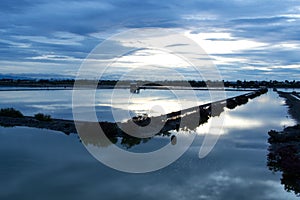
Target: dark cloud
{"x":67,"y":28}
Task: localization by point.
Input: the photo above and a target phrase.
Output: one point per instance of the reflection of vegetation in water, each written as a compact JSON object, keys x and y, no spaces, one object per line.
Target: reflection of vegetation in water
{"x":284,"y":156}
{"x":286,"y":161}
{"x":173,"y":140}
{"x":90,"y":137}
{"x":127,"y":141}
{"x":6,"y":125}
{"x":130,"y":141}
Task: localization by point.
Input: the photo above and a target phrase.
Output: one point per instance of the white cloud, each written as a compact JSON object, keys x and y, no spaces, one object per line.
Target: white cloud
{"x":223,"y":43}
{"x":295,"y":66}
{"x":59,"y":38}
{"x":53,"y":57}
{"x":259,"y":68}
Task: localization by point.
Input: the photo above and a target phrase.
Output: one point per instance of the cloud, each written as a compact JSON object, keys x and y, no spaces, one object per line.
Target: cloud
{"x":236,"y":33}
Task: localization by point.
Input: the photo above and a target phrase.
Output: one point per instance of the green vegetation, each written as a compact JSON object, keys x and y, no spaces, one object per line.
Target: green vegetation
{"x":43,"y":117}
{"x":11,"y":112}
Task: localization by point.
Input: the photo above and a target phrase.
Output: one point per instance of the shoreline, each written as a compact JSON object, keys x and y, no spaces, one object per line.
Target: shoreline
{"x":170,"y":121}
{"x":51,"y":87}
{"x":284,"y":148}
{"x":293,"y":103}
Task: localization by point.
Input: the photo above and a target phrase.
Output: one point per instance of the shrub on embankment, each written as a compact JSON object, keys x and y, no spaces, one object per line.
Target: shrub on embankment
{"x":43,"y":117}
{"x":10,"y":112}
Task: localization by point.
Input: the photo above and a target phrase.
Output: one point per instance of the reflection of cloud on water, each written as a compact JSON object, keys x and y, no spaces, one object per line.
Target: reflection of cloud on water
{"x":155,"y":108}
{"x":227,"y":173}
{"x":285,"y":122}
{"x":223,"y":178}
{"x":207,"y":128}
{"x":266,"y":110}
{"x":153,"y":102}
{"x":234,"y":122}
{"x":230,"y":122}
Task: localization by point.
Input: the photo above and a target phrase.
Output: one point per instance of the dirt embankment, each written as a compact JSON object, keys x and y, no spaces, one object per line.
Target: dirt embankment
{"x":292,"y":100}
{"x":284,"y":149}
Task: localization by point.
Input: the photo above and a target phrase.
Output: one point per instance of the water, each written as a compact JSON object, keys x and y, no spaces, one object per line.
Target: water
{"x":58,"y":103}
{"x":288,"y":89}
{"x":43,"y":164}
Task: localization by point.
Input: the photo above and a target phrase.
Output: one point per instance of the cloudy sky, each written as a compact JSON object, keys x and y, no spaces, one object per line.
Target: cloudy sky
{"x":245,"y":39}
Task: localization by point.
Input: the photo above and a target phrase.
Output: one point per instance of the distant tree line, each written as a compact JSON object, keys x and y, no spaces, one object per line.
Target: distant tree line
{"x":193,"y":83}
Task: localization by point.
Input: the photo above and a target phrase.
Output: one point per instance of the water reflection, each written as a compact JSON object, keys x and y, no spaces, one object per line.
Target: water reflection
{"x":284,"y":149}
{"x":43,"y":164}
{"x":133,"y":132}
{"x":283,"y":156}
{"x":58,"y":103}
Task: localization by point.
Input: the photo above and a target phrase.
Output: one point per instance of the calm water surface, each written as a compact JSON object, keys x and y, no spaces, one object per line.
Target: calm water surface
{"x":58,"y":103}
{"x":42,"y":164}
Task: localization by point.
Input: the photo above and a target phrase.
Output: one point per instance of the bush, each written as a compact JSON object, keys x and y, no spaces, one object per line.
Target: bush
{"x":11,"y":112}
{"x":42,"y":117}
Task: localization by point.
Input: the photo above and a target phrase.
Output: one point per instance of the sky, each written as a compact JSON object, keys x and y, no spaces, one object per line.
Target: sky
{"x":252,"y":40}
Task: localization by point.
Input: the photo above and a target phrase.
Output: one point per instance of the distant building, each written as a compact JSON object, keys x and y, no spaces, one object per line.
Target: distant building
{"x":134,"y":88}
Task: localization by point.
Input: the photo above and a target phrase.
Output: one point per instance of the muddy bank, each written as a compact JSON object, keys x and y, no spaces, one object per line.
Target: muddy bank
{"x":284,"y":149}
{"x":292,"y":100}
{"x":284,"y":156}
{"x":65,"y":126}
